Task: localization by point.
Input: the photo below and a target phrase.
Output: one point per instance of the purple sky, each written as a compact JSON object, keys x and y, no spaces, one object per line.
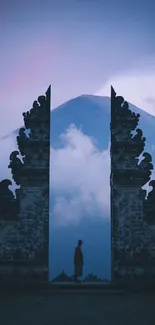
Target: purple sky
{"x":75,"y":46}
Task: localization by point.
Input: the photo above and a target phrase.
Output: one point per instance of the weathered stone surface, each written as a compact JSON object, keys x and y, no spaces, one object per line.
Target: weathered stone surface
{"x":24,"y":219}
{"x":132,"y":235}
{"x":85,"y":307}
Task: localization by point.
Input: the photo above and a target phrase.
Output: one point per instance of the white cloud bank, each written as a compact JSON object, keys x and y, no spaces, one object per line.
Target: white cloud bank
{"x":80,"y":184}
{"x":135,"y":86}
{"x":80,"y":179}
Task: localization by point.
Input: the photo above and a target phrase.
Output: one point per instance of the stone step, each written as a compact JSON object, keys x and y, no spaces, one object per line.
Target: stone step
{"x":83,"y":291}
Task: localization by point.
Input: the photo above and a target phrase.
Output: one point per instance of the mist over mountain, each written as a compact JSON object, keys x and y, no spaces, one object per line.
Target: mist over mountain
{"x":79,"y":173}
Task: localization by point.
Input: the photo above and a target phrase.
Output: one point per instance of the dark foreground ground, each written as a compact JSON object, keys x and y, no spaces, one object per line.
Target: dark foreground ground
{"x":76,"y":308}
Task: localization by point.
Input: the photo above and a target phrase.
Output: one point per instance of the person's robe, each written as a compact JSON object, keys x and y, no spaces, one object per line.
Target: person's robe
{"x":78,"y":261}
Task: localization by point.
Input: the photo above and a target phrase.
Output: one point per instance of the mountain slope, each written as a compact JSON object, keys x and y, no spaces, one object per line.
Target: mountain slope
{"x":92,"y":115}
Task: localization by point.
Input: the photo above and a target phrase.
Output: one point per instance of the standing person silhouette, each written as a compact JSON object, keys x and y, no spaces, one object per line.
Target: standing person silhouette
{"x":78,"y":261}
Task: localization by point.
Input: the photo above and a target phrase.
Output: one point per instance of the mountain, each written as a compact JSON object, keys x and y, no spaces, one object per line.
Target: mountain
{"x":91,"y":115}
{"x":88,"y":113}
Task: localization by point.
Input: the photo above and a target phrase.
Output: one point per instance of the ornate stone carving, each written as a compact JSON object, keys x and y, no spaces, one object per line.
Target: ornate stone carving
{"x":9,"y":206}
{"x":129,"y":207}
{"x":16,"y":166}
{"x":25,"y":241}
{"x":149,"y":205}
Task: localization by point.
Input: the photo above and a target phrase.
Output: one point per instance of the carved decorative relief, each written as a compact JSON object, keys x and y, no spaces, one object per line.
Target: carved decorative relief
{"x":129,"y":207}
{"x":23,"y":218}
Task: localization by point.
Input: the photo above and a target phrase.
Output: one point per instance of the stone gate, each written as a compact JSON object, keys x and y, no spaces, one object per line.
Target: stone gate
{"x":132,"y":213}
{"x":24,"y":216}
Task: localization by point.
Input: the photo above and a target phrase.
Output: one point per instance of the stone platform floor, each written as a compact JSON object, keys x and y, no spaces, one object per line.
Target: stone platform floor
{"x":72,"y":308}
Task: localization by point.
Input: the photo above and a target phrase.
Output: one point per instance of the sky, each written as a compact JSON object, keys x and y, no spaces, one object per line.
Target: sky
{"x":76,"y":46}
{"x":79,"y":47}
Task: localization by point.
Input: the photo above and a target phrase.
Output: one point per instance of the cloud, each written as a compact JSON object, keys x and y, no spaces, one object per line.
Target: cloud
{"x":150,"y":100}
{"x":137,"y":87}
{"x":79,"y":179}
{"x":80,"y":185}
